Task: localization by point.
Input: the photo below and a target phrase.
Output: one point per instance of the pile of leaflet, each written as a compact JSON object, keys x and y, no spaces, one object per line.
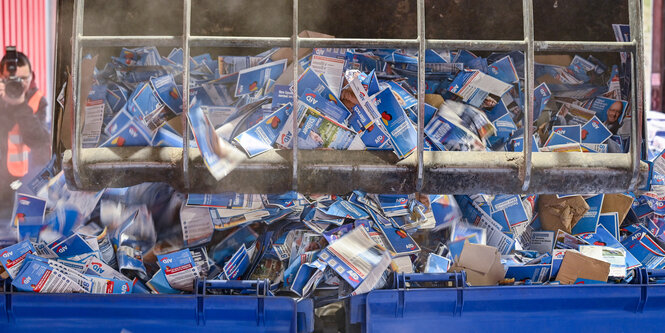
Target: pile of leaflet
{"x":355,"y":99}
{"x":150,"y":238}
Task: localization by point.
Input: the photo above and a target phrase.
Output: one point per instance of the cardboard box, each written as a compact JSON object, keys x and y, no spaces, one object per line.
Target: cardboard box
{"x":287,"y":53}
{"x":482,"y":264}
{"x":576,"y":265}
{"x":561,"y":213}
{"x":619,"y":203}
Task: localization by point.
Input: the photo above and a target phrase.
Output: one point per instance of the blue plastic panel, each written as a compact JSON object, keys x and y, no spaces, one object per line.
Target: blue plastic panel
{"x":552,"y":308}
{"x":140,"y":313}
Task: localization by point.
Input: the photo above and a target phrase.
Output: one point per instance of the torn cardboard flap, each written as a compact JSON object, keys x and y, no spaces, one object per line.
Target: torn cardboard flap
{"x":561,"y":213}
{"x":576,"y":265}
{"x":287,"y":53}
{"x":434,"y":100}
{"x":482,"y":264}
{"x":619,"y":203}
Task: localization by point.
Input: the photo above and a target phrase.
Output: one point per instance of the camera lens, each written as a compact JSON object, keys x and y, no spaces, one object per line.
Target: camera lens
{"x":13,"y":89}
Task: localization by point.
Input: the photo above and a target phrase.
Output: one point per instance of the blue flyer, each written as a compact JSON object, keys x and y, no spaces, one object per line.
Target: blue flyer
{"x":556,"y":139}
{"x":403,"y":135}
{"x":324,"y":106}
{"x":437,"y":264}
{"x":371,"y":83}
{"x":118,"y":122}
{"x":448,"y":136}
{"x":309,"y":80}
{"x":572,"y":132}
{"x":71,"y":246}
{"x":281,"y":95}
{"x":595,"y":132}
{"x":116,"y":96}
{"x":252,"y":79}
{"x":344,"y":208}
{"x":610,"y":221}
{"x":237,"y":265}
{"x":142,"y":101}
{"x":602,"y":237}
{"x":261,"y":137}
{"x":28,"y":214}
{"x":132,"y":134}
{"x":12,"y":257}
{"x":536,"y":273}
{"x":180,"y":269}
{"x":541,"y":95}
{"x":504,"y":70}
{"x":219,"y":156}
{"x":405,"y":99}
{"x":589,"y":222}
{"x":609,"y":111}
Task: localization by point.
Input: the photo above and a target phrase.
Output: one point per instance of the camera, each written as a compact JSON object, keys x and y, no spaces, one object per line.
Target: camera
{"x":13,"y":83}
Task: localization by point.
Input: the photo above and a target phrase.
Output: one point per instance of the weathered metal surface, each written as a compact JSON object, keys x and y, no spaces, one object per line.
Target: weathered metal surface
{"x":342,"y":171}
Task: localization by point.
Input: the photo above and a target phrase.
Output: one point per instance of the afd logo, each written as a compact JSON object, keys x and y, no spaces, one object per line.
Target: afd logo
{"x":402,"y":200}
{"x":167,"y":260}
{"x":7,"y":254}
{"x":380,"y":139}
{"x":353,"y":276}
{"x":26,"y":280}
{"x":586,"y":236}
{"x":320,"y":51}
{"x":286,"y":138}
{"x":125,"y":288}
{"x":25,"y":201}
{"x":411,"y":246}
{"x":97,"y":267}
{"x":61,"y":249}
{"x":494,"y":69}
{"x":311,"y":98}
{"x":133,"y":131}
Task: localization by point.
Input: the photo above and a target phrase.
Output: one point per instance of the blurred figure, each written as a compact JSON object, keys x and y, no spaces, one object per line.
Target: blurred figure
{"x":25,"y":142}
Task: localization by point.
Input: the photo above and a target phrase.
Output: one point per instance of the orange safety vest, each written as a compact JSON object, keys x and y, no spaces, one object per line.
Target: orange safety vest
{"x":17,"y":152}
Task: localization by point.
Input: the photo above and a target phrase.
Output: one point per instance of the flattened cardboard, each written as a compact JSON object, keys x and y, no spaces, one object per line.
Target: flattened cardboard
{"x":434,"y":100}
{"x":576,"y":265}
{"x":619,"y":203}
{"x":554,"y":59}
{"x":287,"y":53}
{"x":561,"y":213}
{"x":482,"y":264}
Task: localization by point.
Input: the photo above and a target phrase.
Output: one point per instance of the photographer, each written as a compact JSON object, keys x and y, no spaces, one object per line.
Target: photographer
{"x":24,"y":138}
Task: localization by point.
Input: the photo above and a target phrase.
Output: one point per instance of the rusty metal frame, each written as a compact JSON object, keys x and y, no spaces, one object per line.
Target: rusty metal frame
{"x":374,"y":171}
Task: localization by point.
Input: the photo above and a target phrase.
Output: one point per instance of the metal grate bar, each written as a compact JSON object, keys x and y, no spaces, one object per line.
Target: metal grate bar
{"x":233,"y":41}
{"x":252,"y":41}
{"x":77,"y":30}
{"x":295,"y":48}
{"x":476,"y":45}
{"x":429,"y":172}
{"x":359,"y":42}
{"x":637,"y":93}
{"x":105,"y":41}
{"x":570,"y":46}
{"x":525,"y":171}
{"x":421,"y":94}
{"x":186,"y":26}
